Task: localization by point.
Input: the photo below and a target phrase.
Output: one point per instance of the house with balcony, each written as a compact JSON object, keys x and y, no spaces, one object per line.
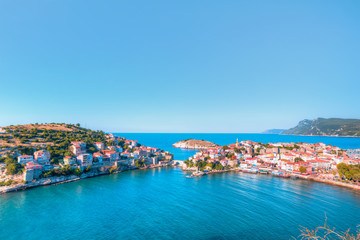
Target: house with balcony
{"x":23,"y":159}
{"x":69,"y":160}
{"x":77,"y":150}
{"x":85,"y":160}
{"x":42,"y":156}
{"x":98,"y":157}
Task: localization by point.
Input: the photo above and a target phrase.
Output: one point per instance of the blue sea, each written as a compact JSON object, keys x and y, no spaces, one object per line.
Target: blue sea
{"x":165,"y":140}
{"x":164,"y":204}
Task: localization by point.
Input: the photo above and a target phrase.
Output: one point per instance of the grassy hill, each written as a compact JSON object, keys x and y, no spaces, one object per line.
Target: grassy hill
{"x":326,"y":127}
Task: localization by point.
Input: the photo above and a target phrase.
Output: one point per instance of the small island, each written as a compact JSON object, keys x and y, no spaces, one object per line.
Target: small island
{"x":194,"y":144}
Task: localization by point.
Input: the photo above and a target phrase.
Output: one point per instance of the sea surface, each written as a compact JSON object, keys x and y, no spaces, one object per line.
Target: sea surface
{"x":164,"y":204}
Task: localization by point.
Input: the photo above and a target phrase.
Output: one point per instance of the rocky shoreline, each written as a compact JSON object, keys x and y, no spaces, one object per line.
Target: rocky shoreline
{"x":65,"y":179}
{"x":73,"y":178}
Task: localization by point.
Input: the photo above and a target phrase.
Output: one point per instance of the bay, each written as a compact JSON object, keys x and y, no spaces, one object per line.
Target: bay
{"x":164,"y":204}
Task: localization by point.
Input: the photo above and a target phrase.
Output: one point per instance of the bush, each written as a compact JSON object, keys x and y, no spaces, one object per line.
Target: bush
{"x":77,"y":172}
{"x":13,"y":169}
{"x":7,"y":183}
{"x":87,"y":169}
{"x":325,"y":232}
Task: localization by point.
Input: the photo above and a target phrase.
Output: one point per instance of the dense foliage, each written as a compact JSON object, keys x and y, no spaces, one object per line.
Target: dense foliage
{"x":203,"y":164}
{"x":139,"y":163}
{"x":7,"y":183}
{"x":64,"y":171}
{"x":12,"y":166}
{"x":349,"y":172}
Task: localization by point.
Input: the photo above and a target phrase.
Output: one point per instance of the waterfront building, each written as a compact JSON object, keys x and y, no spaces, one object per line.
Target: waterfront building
{"x":85,"y":160}
{"x":114,"y":156}
{"x":29,"y":175}
{"x":35,"y":168}
{"x":319,"y":164}
{"x":98,"y":157}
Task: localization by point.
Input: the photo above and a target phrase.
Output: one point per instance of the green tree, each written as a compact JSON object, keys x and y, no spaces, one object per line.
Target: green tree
{"x":302,"y":169}
{"x":342,"y":169}
{"x":12,"y":169}
{"x":77,"y":172}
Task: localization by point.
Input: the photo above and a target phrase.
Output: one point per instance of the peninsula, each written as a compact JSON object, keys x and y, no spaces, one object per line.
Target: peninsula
{"x":41,"y":154}
{"x":319,"y":162}
{"x":194,"y":144}
{"x":335,"y":127}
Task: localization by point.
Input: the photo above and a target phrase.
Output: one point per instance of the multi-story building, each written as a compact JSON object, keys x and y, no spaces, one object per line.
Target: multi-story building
{"x":23,"y":159}
{"x":36,"y":168}
{"x":98,"y":156}
{"x":77,"y":149}
{"x":85,"y":160}
{"x":42,"y":156}
{"x":114,"y":156}
{"x":69,"y":160}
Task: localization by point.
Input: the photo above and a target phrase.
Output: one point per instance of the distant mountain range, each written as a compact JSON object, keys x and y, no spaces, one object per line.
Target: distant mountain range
{"x":274,"y":131}
{"x":326,"y":127}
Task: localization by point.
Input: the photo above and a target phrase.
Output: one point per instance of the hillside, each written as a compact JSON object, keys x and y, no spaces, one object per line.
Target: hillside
{"x":194,"y":144}
{"x":55,"y":137}
{"x":326,"y":127}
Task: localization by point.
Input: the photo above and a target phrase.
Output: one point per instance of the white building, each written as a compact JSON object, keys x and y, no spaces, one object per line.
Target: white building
{"x":85,"y":160}
{"x":23,"y":159}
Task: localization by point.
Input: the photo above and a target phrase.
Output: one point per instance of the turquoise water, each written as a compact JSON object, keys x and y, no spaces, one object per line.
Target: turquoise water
{"x":164,"y":204}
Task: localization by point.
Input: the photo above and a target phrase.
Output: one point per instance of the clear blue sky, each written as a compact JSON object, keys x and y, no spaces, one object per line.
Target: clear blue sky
{"x":179,"y":66}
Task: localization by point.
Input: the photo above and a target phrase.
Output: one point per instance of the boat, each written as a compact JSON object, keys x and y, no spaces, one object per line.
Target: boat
{"x":251,"y":170}
{"x":263,"y":171}
{"x":280,"y":174}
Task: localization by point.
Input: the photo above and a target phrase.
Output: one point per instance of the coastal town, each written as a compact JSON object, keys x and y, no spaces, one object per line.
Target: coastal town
{"x":304,"y":160}
{"x":43,"y":154}
{"x":81,"y":159}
